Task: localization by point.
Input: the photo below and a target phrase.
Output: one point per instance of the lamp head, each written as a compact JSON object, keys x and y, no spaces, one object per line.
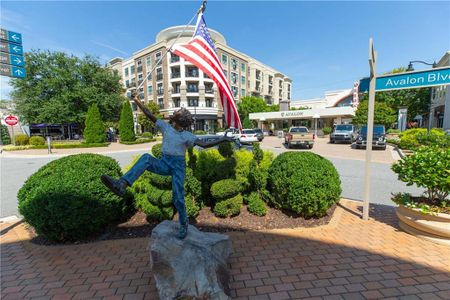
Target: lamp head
{"x":410,"y":67}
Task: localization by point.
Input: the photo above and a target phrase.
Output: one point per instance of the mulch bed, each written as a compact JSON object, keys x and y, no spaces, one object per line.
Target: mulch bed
{"x":137,"y":226}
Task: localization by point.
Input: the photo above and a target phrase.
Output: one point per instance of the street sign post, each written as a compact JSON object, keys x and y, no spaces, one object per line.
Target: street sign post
{"x":373,"y":77}
{"x":12,"y":62}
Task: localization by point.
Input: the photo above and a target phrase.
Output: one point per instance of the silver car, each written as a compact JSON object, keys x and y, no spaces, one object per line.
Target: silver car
{"x":343,"y":133}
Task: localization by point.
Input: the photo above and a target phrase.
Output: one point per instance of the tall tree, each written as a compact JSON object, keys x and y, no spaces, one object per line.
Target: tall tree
{"x":126,"y":123}
{"x":251,"y":104}
{"x":94,"y":131}
{"x":59,"y":88}
{"x":383,"y":115}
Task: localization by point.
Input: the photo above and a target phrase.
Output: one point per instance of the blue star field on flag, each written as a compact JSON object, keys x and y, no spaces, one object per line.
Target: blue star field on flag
{"x":202,"y":31}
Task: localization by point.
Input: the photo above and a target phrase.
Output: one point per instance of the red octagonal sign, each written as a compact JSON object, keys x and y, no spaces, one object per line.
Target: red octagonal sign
{"x":11,"y":120}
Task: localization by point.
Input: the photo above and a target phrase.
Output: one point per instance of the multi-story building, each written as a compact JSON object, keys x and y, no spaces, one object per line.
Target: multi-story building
{"x":176,"y":83}
{"x":440,"y":100}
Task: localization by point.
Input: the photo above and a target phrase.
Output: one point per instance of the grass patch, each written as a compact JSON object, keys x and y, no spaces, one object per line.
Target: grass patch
{"x":56,"y":146}
{"x":139,"y":141}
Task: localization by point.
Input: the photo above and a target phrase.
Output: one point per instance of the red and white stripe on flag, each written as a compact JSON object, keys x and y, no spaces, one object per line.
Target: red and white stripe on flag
{"x":201,"y":52}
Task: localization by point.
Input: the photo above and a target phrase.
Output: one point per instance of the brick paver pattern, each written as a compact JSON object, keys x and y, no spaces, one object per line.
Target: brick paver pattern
{"x":347,"y":259}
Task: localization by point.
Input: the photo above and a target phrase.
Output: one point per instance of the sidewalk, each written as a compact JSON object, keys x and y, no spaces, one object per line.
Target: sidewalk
{"x":112,"y":148}
{"x":346,"y":259}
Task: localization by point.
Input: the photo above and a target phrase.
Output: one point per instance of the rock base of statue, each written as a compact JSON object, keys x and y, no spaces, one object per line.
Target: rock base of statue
{"x":193,"y":268}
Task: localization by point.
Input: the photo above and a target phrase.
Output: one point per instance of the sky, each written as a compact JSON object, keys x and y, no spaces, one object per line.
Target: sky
{"x":321,"y":46}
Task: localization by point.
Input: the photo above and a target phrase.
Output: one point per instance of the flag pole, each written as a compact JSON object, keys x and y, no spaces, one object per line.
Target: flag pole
{"x":199,"y":11}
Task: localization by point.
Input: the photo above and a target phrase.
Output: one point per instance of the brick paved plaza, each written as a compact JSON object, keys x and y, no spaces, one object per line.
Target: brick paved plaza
{"x":346,"y":259}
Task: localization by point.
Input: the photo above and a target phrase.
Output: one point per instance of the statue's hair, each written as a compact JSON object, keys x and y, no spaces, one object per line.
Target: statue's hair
{"x":184,"y":117}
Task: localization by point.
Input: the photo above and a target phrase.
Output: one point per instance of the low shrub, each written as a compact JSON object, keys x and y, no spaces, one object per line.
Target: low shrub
{"x":304,"y":183}
{"x":393,"y":131}
{"x":427,"y":168}
{"x":66,"y":201}
{"x":228,"y":208}
{"x":416,"y":137}
{"x":327,"y":130}
{"x":37,"y":140}
{"x":138,"y":141}
{"x":200,"y":132}
{"x":256,"y":205}
{"x":422,"y":204}
{"x":224,"y":189}
{"x":157,"y":150}
{"x":21,"y":140}
{"x":147,"y":135}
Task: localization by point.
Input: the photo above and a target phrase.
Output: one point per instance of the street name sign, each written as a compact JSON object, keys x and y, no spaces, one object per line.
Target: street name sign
{"x":409,"y":80}
{"x":11,"y":48}
{"x":12,"y":62}
{"x":12,"y":71}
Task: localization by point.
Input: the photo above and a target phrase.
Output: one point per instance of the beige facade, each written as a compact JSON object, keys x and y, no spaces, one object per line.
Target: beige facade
{"x":440,"y":99}
{"x":177,"y":83}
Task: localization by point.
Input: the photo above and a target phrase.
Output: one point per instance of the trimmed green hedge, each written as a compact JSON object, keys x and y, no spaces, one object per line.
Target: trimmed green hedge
{"x":147,"y":135}
{"x":94,"y":130}
{"x":37,"y":141}
{"x":21,"y":140}
{"x":229,"y":208}
{"x":66,"y":201}
{"x":304,"y":183}
{"x":138,"y":141}
{"x":224,"y":189}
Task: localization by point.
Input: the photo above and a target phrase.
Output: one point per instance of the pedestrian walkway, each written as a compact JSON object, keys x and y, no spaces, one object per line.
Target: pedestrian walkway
{"x":347,"y":259}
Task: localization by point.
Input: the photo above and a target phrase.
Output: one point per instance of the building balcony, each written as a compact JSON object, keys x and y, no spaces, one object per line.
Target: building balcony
{"x":192,"y":74}
{"x":160,"y":92}
{"x":209,"y":91}
{"x":159,"y":77}
{"x":175,"y":75}
{"x":192,"y":90}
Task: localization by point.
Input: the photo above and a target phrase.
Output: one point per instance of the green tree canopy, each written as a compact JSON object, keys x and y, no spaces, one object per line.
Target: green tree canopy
{"x":251,"y":104}
{"x":383,"y":115}
{"x":59,"y":88}
{"x":126,"y":123}
{"x":145,"y":122}
{"x":94,"y":131}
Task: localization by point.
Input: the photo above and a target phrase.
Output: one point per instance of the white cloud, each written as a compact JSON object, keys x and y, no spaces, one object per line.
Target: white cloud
{"x":110,"y":47}
{"x":14,"y":21}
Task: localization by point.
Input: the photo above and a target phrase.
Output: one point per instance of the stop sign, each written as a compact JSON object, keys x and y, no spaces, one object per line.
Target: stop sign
{"x":11,"y":120}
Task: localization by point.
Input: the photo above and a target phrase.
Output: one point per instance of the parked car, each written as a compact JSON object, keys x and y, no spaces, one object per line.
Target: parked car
{"x":378,"y":140}
{"x":230,"y":132}
{"x":213,"y":137}
{"x":248,"y":136}
{"x":343,"y":133}
{"x":299,"y":136}
{"x":259,"y":134}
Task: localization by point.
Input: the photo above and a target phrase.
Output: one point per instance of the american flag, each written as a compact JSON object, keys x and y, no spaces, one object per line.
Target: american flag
{"x":201,"y":52}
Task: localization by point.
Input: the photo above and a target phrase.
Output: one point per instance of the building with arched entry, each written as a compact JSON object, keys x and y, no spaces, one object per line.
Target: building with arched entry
{"x":337,"y":107}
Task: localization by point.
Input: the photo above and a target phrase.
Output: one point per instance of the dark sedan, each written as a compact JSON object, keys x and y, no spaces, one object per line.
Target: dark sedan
{"x":378,"y":140}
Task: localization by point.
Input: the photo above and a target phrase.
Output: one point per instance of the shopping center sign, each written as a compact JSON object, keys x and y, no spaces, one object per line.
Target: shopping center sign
{"x":408,"y":80}
{"x":12,"y":62}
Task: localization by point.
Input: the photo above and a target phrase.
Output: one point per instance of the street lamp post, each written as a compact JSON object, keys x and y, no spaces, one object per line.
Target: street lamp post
{"x":315,"y":117}
{"x":411,"y":68}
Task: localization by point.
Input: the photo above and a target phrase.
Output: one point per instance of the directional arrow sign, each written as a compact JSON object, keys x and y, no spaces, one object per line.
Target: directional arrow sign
{"x":10,"y":59}
{"x":11,"y":36}
{"x":409,"y":80}
{"x":12,"y":71}
{"x":11,"y":48}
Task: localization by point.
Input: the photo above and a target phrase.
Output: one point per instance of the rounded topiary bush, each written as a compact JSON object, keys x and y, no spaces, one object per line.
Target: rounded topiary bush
{"x":37,"y":140}
{"x":224,"y":189}
{"x":21,"y":140}
{"x":304,"y":183}
{"x":157,"y":150}
{"x":160,"y":181}
{"x":66,"y":201}
{"x":228,"y":208}
{"x":256,"y":205}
